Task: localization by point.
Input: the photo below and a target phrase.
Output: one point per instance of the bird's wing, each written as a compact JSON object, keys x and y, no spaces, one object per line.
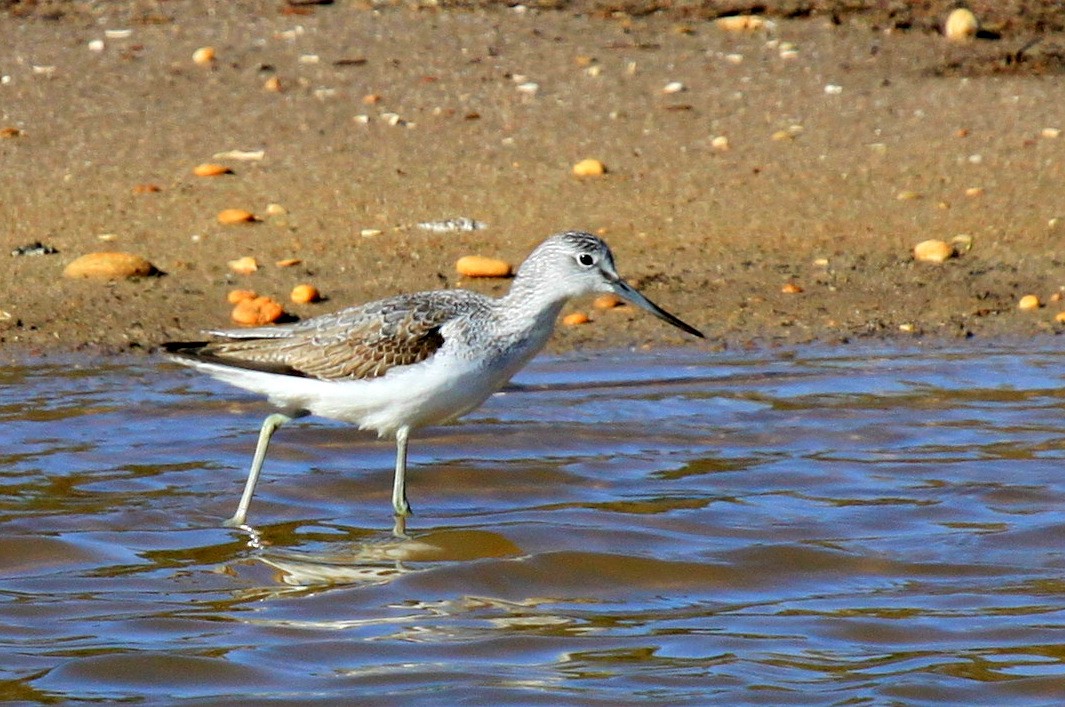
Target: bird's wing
{"x":356,"y":343}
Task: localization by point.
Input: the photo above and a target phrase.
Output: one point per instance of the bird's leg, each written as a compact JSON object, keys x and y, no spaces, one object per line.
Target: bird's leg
{"x":270,"y":425}
{"x":399,"y":485}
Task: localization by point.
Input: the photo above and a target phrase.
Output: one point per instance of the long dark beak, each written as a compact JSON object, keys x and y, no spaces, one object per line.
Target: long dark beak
{"x":627,"y":291}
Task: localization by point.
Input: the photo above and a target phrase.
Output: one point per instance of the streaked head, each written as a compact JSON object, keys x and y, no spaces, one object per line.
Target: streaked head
{"x":580,"y":263}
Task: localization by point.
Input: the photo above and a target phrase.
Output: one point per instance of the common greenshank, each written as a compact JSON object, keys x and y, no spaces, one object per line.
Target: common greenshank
{"x":408,"y":361}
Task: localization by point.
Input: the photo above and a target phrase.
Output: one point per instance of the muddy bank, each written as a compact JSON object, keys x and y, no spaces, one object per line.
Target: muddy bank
{"x":772,"y":195}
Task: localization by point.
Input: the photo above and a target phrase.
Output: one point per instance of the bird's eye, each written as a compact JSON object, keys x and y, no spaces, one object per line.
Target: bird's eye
{"x":586,"y":260}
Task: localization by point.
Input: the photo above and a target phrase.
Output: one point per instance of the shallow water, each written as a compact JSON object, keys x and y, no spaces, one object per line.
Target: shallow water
{"x":679,"y":528}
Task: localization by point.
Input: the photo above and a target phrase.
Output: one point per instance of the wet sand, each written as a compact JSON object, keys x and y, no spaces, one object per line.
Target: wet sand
{"x":823,"y":140}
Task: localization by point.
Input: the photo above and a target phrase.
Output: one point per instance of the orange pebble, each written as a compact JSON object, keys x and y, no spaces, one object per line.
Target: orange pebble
{"x":576,"y":319}
{"x":305,"y":294}
{"x":256,"y":312}
{"x":273,"y":84}
{"x":480,"y":266}
{"x":607,"y":301}
{"x":791,"y":289}
{"x":210,"y":169}
{"x":288,"y":262}
{"x":229,"y":217}
{"x":146,"y":188}
{"x":236,"y":296}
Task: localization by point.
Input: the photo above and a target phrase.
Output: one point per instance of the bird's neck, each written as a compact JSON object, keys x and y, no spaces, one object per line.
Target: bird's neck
{"x":531,"y":308}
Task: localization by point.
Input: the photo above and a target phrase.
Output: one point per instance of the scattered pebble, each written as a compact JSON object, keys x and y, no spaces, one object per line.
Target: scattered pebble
{"x":607,"y":301}
{"x":118,"y":33}
{"x":230,"y":217}
{"x":371,"y":99}
{"x":288,"y":262}
{"x":236,"y":296}
{"x":370,"y":232}
{"x":933,"y":251}
{"x":244,"y":266}
{"x":10,"y":132}
{"x":589,"y":168}
{"x":35,"y":248}
{"x":96,"y":45}
{"x":908,"y":195}
{"x":1060,"y":317}
{"x":974,"y":191}
{"x":961,"y":25}
{"x":273,"y":85}
{"x":908,"y":328}
{"x":673,"y":87}
{"x":962,"y":243}
{"x":204,"y":56}
{"x":1050,"y":133}
{"x":256,"y":312}
{"x":720,"y":143}
{"x":449,"y":225}
{"x":790,"y":288}
{"x":740,"y":23}
{"x":304,"y":294}
{"x":576,"y":319}
{"x":480,"y":266}
{"x":833,"y":89}
{"x":529,"y":88}
{"x":109,"y":266}
{"x":276,"y":210}
{"x":146,"y":188}
{"x":309,"y":59}
{"x":1028,"y":303}
{"x":242,"y":155}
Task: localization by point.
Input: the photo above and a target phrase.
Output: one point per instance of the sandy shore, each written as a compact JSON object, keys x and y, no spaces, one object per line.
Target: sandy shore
{"x":849,"y":139}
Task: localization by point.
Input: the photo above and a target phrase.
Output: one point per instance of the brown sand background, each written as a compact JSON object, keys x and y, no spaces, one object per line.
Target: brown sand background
{"x":712,"y":235}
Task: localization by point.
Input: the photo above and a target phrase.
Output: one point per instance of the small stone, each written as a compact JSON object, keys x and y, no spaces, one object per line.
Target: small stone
{"x":740,"y":23}
{"x":109,"y":266}
{"x":790,"y":288}
{"x":210,"y":169}
{"x":974,"y":191}
{"x":288,"y":262}
{"x":1029,"y":303}
{"x":480,"y":266}
{"x":589,"y":168}
{"x":273,"y":85}
{"x":235,"y":296}
{"x":229,"y":217}
{"x":304,"y":294}
{"x":908,"y":195}
{"x":576,"y":319}
{"x":1050,"y":133}
{"x":673,"y":87}
{"x":244,"y":266}
{"x":371,"y":99}
{"x":276,"y":210}
{"x":933,"y":251}
{"x":1060,"y":317}
{"x":96,"y":45}
{"x":961,"y":25}
{"x":256,"y":312}
{"x":10,"y":132}
{"x":608,"y":301}
{"x":204,"y":56}
{"x":720,"y":143}
{"x":146,"y":188}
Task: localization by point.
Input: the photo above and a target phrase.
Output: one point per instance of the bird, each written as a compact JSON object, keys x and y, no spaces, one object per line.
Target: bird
{"x":401,"y":363}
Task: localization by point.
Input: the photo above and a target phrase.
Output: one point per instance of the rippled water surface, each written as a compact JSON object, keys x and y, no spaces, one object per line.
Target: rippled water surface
{"x":677,"y":528}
